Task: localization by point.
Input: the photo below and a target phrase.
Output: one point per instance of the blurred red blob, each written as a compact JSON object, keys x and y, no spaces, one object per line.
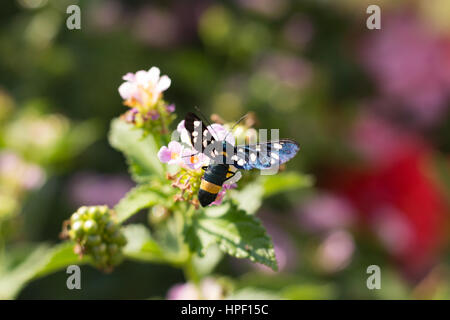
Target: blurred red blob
{"x":395,"y":193}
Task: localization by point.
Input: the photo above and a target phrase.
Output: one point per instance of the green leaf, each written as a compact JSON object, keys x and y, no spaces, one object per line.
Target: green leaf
{"x":237,"y":233}
{"x":254,"y":294}
{"x":136,"y":199}
{"x":309,"y":292}
{"x":285,"y":181}
{"x":40,"y":262}
{"x":249,"y":198}
{"x":205,"y":265}
{"x":442,"y":172}
{"x":79,"y":137}
{"x":58,"y":257}
{"x":141,"y":246}
{"x":140,"y":150}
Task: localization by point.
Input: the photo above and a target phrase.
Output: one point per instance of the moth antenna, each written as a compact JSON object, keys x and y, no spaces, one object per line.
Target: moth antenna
{"x":189,"y":155}
{"x":237,"y":122}
{"x":208,"y":123}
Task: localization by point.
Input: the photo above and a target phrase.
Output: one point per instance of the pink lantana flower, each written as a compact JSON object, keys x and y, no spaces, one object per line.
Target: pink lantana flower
{"x":222,"y":192}
{"x":171,"y":154}
{"x":188,"y":156}
{"x":143,"y":87}
{"x":208,"y":289}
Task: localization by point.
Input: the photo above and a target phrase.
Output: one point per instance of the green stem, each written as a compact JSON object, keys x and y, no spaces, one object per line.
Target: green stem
{"x":188,"y":267}
{"x":190,"y":271}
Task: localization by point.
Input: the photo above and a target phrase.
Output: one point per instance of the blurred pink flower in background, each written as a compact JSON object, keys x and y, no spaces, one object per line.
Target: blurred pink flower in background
{"x":393,"y":229}
{"x":325,"y":212}
{"x":288,"y":69}
{"x":15,"y":172}
{"x":268,"y":8}
{"x":105,"y":16}
{"x":336,"y":251}
{"x":298,"y":31}
{"x":209,"y":289}
{"x":379,"y":141}
{"x":410,"y":65}
{"x":155,"y":26}
{"x":187,"y":15}
{"x":92,"y":188}
{"x":285,"y":249}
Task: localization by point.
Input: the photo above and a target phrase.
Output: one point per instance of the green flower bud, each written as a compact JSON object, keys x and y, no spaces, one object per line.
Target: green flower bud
{"x":77,"y":228}
{"x":119,"y":238}
{"x":93,"y":240}
{"x":93,"y":213}
{"x":158,"y":214}
{"x":113,"y":248}
{"x":82,"y":212}
{"x":90,"y":226}
{"x":94,"y":230}
{"x":100,"y":260}
{"x":95,"y":250}
{"x":75,"y":217}
{"x":105,"y":218}
{"x":103,"y":210}
{"x":72,"y":234}
{"x":111,"y":227}
{"x":102,"y":248}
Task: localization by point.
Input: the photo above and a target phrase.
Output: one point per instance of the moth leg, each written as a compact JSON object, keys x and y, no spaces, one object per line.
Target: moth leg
{"x":232,"y":174}
{"x":235,"y":177}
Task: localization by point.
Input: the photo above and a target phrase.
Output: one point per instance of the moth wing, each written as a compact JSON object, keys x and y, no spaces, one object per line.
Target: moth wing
{"x":264,"y":155}
{"x":199,"y":133}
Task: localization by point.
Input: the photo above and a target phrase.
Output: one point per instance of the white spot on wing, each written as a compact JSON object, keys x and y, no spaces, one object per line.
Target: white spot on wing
{"x":275,"y":156}
{"x":197,"y":123}
{"x":241,"y":162}
{"x":195,"y":133}
{"x":277,"y":146}
{"x":253,"y":157}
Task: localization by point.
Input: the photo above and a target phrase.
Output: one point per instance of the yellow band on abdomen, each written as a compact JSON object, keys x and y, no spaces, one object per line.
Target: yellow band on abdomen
{"x":209,"y":187}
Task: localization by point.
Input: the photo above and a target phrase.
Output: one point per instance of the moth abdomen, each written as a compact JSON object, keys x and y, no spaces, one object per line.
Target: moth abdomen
{"x":211,"y":183}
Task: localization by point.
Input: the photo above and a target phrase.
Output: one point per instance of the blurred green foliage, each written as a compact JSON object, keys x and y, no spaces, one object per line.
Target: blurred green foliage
{"x":293,"y":64}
